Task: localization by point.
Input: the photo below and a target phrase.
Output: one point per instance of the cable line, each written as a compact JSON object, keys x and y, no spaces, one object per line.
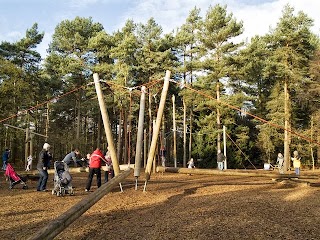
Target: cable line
{"x":248,"y":113}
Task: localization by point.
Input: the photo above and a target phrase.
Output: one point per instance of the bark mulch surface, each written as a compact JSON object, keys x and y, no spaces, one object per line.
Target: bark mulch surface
{"x":175,"y":206}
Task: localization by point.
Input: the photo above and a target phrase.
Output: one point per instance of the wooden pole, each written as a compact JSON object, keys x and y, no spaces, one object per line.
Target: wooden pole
{"x":174,"y":131}
{"x":31,"y":147}
{"x":156,"y":130}
{"x":26,"y":150}
{"x":106,"y":123}
{"x":184,"y":133}
{"x":64,"y":220}
{"x":225,"y":147}
{"x":145,"y":148}
{"x":137,"y":165}
{"x":29,"y":138}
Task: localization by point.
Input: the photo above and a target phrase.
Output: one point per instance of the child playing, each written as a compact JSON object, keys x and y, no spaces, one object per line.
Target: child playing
{"x":191,"y":163}
{"x":29,"y":162}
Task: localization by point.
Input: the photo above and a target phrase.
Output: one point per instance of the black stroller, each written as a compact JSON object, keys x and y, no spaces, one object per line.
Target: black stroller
{"x":62,"y":179}
{"x":15,"y":178}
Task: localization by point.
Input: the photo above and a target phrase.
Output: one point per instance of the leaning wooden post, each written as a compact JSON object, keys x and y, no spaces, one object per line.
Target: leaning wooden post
{"x":106,"y":123}
{"x":156,"y":130}
{"x":137,"y":165}
{"x":174,"y":131}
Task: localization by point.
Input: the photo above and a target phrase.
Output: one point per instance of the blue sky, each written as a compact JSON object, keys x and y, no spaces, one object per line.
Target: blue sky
{"x":16,"y":16}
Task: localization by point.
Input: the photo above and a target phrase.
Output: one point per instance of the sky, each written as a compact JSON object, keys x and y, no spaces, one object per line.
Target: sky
{"x":258,"y":16}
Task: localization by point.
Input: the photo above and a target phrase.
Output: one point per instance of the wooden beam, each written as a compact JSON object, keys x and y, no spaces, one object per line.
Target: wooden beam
{"x":240,"y":172}
{"x":63,"y":221}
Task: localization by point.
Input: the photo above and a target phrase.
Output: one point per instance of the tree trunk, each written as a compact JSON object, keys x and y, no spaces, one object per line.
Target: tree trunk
{"x":47,"y":121}
{"x":120,"y":133}
{"x":174,"y":131}
{"x":125,"y":132}
{"x":218,"y":118}
{"x":129,"y":129}
{"x":78,"y":106}
{"x":190,"y":135}
{"x":286,"y":126}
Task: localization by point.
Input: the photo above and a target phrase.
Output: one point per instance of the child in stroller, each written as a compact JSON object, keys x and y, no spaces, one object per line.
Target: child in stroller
{"x":62,"y":179}
{"x":14,"y":178}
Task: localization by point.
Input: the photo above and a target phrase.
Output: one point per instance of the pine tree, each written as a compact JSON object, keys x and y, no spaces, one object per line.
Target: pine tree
{"x":292,"y":48}
{"x":70,"y":62}
{"x":216,"y":35}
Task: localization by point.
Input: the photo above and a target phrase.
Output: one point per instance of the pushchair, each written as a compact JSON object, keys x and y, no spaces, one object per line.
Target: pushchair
{"x":62,"y":179}
{"x":15,"y":178}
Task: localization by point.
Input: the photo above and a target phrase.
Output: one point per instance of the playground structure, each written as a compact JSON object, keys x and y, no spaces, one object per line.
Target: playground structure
{"x":58,"y":225}
{"x":67,"y":218}
{"x":28,"y":141}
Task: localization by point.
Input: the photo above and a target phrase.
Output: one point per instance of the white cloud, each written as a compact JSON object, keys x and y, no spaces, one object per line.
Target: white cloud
{"x":257,"y":16}
{"x":44,"y":45}
{"x":81,"y":3}
{"x":12,"y":36}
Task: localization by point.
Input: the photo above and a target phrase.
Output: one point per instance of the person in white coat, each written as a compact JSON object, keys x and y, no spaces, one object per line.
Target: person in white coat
{"x":280,"y":161}
{"x":29,"y":162}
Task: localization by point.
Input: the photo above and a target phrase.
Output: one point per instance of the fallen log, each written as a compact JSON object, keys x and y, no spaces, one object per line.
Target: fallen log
{"x":64,"y":220}
{"x":231,"y":172}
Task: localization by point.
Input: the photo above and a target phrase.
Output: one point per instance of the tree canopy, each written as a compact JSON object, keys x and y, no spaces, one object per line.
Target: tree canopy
{"x":264,"y":91}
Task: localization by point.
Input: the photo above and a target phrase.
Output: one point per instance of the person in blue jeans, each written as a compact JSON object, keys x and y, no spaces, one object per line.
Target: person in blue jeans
{"x":5,"y":158}
{"x":42,"y":166}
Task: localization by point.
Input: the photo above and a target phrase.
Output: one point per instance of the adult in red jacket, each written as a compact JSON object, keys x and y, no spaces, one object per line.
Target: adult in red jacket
{"x":95,"y":168}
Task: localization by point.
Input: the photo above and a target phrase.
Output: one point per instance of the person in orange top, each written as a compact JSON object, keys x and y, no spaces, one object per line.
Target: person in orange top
{"x":95,"y":168}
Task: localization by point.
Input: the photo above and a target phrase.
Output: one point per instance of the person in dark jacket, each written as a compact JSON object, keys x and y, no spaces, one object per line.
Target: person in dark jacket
{"x":71,"y":157}
{"x":42,"y":166}
{"x":5,"y":158}
{"x":95,"y":168}
{"x":220,"y":160}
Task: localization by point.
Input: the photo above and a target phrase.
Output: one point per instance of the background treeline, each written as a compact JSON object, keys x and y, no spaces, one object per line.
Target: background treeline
{"x":274,"y":77}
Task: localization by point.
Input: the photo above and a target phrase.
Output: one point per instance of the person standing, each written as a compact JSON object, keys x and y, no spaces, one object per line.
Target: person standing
{"x":95,"y":168}
{"x":220,"y":160}
{"x":72,"y":156}
{"x":191,"y":163}
{"x":5,"y":158}
{"x":163,"y":156}
{"x":280,"y":163}
{"x":109,"y":167}
{"x":296,"y":162}
{"x":29,"y":163}
{"x":42,"y":166}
